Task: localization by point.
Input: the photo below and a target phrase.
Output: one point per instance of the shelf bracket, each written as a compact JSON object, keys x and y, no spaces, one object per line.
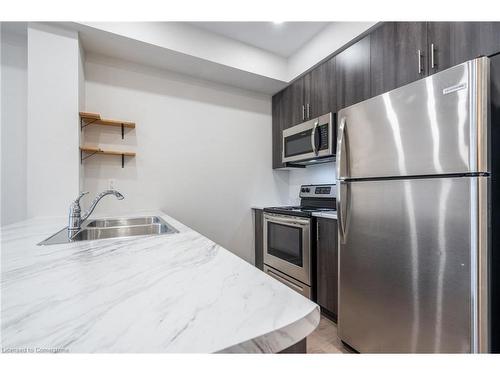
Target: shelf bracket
{"x":90,"y":154}
{"x":123,"y":132}
{"x":86,"y":157}
{"x":84,"y":124}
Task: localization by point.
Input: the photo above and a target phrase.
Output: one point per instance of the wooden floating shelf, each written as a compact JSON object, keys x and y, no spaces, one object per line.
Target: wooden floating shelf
{"x":95,"y":118}
{"x":96,"y":150}
{"x":89,"y":118}
{"x":106,"y":152}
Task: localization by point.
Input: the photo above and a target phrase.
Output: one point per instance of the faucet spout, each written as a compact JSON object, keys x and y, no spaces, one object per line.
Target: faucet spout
{"x":76,"y":218}
{"x":96,"y":200}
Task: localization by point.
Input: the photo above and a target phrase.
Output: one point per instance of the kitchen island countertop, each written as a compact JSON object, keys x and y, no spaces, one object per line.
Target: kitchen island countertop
{"x":167,"y":293}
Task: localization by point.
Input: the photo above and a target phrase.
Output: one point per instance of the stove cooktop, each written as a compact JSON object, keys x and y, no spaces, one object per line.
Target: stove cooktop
{"x":314,"y":198}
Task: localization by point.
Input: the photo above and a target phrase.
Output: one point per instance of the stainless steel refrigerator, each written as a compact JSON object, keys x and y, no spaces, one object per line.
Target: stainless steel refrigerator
{"x":413,"y":171}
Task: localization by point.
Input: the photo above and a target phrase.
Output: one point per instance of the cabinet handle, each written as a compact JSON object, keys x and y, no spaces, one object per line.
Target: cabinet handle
{"x":303,"y":112}
{"x":308,"y":111}
{"x":433,"y":65}
{"x":317,"y":232}
{"x":419,"y":55}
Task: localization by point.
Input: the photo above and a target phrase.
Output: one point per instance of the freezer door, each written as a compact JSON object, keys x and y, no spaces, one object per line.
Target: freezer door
{"x":437,"y":125}
{"x":408,"y":265}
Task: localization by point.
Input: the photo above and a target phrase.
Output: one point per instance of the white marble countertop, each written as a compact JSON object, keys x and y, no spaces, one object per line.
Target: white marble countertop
{"x":166,"y":293}
{"x":326,"y":214}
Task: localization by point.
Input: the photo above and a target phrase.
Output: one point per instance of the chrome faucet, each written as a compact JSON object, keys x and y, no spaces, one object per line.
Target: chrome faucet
{"x":76,"y":218}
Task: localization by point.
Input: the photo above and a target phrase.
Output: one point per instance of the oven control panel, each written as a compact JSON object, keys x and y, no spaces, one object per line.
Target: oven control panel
{"x":318,"y":191}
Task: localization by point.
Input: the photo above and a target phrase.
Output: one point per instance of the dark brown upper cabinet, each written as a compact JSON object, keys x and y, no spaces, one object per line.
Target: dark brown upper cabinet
{"x":281,"y":119}
{"x":320,"y":90}
{"x":277,"y":128}
{"x":398,"y":55}
{"x":392,"y":55}
{"x":452,"y":43}
{"x":297,"y":97}
{"x":313,"y":94}
{"x":353,"y":74}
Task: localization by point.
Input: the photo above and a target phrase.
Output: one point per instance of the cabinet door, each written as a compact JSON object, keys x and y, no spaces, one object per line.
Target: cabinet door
{"x":352,"y":68}
{"x":278,"y":119}
{"x":321,"y":89}
{"x":327,"y":263}
{"x":440,"y":46}
{"x":397,"y":54}
{"x":297,"y":102}
{"x":276,"y":129}
{"x":259,"y":244}
{"x":453,"y":43}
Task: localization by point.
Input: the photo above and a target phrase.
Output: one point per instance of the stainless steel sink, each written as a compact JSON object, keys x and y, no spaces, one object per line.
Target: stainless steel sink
{"x":114,"y":228}
{"x":132,"y":221}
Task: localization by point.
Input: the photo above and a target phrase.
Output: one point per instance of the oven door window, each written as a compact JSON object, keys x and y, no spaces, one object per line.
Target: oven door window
{"x":285,"y":242}
{"x":298,"y":144}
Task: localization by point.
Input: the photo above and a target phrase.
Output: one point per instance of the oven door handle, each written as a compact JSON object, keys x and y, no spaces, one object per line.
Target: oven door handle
{"x":286,"y":220}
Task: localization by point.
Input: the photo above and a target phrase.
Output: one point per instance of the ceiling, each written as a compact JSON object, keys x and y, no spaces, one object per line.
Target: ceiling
{"x":283,"y":39}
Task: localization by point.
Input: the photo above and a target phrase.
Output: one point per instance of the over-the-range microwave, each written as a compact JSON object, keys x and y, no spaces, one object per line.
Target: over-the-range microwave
{"x":310,"y":142}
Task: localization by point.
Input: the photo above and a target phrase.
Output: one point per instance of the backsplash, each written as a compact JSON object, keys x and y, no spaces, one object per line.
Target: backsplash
{"x":315,"y":174}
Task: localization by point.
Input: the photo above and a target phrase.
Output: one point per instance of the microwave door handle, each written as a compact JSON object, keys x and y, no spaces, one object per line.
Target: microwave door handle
{"x":317,"y":138}
{"x":313,"y":138}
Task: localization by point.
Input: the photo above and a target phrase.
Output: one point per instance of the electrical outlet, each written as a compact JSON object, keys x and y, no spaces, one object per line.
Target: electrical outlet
{"x":112,"y":184}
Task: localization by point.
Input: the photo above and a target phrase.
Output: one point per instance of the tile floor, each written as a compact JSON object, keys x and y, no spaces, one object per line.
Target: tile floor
{"x":324,"y":339}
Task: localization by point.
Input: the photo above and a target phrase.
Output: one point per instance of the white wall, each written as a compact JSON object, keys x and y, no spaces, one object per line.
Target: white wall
{"x":52,"y":131}
{"x":327,"y":41}
{"x":81,"y":105}
{"x":203,"y":149}
{"x":314,"y":174}
{"x":13,"y":119}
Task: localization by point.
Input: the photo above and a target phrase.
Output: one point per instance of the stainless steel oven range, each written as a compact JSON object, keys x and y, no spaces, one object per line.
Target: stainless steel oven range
{"x":288,"y":237}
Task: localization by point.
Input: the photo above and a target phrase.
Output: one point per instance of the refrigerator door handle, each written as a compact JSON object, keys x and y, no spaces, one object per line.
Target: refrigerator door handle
{"x":342,"y":205}
{"x":341,"y":170}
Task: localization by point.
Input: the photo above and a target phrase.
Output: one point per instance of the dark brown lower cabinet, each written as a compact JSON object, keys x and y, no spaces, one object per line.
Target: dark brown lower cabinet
{"x":259,"y":244}
{"x":298,"y":348}
{"x":327,"y":265}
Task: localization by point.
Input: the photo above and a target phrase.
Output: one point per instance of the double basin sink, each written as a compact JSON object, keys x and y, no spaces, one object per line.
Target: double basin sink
{"x":113,"y":228}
